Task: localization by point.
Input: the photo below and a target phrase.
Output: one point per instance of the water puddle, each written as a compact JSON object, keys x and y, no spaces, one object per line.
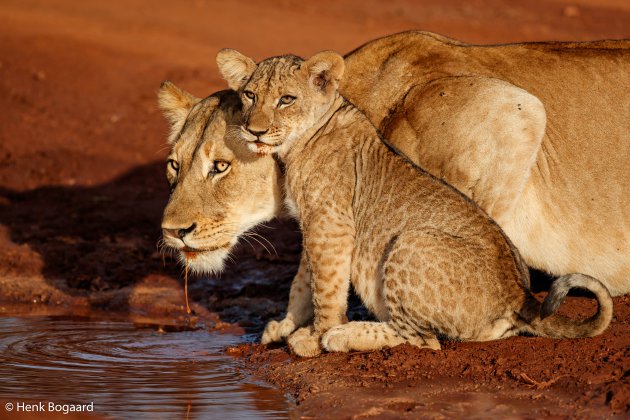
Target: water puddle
{"x":126,"y":371}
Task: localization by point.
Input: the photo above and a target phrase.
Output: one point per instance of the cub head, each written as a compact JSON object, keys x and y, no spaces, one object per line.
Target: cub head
{"x":282,"y":96}
{"x":219,"y":189}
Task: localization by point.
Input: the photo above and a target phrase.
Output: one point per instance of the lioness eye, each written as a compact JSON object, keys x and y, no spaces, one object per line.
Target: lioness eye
{"x":173,"y":164}
{"x":287,"y":100}
{"x":249,"y":95}
{"x":220,"y":166}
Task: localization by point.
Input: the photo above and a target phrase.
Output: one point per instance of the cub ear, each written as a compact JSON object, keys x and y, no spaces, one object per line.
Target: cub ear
{"x":324,"y":70}
{"x":235,"y":67}
{"x":175,"y":104}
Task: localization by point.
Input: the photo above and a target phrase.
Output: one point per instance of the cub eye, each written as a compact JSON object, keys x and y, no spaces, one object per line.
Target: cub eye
{"x":249,"y":95}
{"x":173,"y":164}
{"x":219,"y":166}
{"x":286,"y":100}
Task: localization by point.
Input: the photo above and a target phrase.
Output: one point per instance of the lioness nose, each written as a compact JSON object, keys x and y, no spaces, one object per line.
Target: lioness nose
{"x":257,"y":133}
{"x":180,"y":233}
{"x":183,"y":232}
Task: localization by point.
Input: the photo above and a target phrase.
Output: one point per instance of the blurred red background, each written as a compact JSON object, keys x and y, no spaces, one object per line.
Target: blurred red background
{"x":77,"y":78}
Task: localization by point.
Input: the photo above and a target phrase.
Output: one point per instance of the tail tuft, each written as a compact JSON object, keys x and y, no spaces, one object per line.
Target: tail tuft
{"x":559,"y":290}
{"x":550,"y":324}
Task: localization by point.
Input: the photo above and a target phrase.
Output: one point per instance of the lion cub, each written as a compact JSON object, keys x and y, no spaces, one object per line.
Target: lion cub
{"x":423,"y":258}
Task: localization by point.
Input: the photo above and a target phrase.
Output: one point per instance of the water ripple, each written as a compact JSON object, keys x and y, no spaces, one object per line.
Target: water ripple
{"x":128,"y":372}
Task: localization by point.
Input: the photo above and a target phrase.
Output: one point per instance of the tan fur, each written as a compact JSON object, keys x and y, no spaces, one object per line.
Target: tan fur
{"x":555,"y":179}
{"x":567,"y":209}
{"x":232,"y":64}
{"x":416,"y":250}
{"x":209,"y":210}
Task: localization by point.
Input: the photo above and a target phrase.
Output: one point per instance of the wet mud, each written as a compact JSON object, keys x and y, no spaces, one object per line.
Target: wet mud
{"x":82,"y":189}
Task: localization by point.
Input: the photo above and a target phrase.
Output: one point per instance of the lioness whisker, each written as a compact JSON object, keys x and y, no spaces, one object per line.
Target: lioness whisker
{"x":261,"y":243}
{"x":264,"y":239}
{"x":248,"y":243}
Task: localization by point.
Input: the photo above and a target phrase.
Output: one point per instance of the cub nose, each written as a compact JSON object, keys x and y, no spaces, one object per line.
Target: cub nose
{"x":257,"y":133}
{"x":180,"y":233}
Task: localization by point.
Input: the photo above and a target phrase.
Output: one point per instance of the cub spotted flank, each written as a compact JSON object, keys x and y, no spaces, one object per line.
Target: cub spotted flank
{"x":425,"y":260}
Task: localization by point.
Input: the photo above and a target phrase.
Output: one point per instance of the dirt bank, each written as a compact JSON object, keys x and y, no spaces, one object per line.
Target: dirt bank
{"x":82,"y":188}
{"x":523,"y":377}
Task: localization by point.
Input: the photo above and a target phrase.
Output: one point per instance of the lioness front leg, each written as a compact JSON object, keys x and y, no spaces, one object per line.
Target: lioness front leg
{"x":300,"y":309}
{"x":328,"y":246}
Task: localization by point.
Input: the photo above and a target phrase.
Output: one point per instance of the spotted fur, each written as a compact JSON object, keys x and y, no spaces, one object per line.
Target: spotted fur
{"x":424,"y":258}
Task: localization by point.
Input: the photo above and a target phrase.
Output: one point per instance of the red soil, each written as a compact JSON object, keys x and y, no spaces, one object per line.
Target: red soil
{"x":82,"y":189}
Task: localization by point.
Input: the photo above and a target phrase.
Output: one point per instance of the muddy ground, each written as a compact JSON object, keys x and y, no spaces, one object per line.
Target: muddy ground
{"x":82,"y":188}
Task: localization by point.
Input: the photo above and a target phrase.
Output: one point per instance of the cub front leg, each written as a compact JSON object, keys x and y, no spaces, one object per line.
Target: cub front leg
{"x":300,"y":309}
{"x":328,"y":243}
{"x":368,"y":336}
{"x":305,"y":342}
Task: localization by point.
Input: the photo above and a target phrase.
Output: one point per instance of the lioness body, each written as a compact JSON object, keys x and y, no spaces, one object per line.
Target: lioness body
{"x":553,"y":174}
{"x":424,"y":259}
{"x":567,"y":208}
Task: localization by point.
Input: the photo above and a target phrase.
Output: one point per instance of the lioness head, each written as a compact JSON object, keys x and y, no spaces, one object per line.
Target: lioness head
{"x":219,"y":189}
{"x":282,"y":96}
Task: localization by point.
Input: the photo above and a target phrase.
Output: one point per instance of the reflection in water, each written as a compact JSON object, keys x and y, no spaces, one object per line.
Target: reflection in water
{"x":128,"y":372}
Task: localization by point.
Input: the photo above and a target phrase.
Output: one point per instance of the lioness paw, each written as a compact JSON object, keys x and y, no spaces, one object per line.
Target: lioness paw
{"x":304,"y":342}
{"x":276,"y":331}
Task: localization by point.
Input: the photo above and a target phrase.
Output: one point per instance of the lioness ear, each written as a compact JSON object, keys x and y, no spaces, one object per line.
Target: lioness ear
{"x":324,"y":70}
{"x":235,"y":67}
{"x":175,"y":104}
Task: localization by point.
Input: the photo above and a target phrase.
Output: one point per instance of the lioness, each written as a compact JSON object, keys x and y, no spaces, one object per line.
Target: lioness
{"x":424,"y":258}
{"x":553,"y":177}
{"x":219,"y":189}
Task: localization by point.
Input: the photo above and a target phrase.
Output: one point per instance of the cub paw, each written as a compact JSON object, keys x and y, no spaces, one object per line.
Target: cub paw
{"x":336,"y":339}
{"x":276,"y":331}
{"x":304,"y":342}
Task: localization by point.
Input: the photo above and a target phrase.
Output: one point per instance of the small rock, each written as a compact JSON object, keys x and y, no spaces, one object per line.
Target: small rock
{"x":571,"y":11}
{"x":39,"y":75}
